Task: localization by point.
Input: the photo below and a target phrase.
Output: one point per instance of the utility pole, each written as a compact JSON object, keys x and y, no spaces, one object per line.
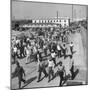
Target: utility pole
{"x":72,"y":12}
{"x":57,"y":15}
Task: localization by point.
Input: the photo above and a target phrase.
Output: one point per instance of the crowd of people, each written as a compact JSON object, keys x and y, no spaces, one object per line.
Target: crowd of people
{"x":46,"y":45}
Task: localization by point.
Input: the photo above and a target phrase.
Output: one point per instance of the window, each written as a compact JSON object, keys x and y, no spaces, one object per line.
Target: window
{"x":45,"y":21}
{"x":64,"y":24}
{"x":39,"y":21}
{"x":64,"y":20}
{"x":42,"y":21}
{"x":60,"y":25}
{"x":55,"y":20}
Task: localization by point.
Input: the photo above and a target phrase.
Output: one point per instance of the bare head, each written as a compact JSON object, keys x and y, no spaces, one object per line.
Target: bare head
{"x":64,"y":45}
{"x":60,"y":63}
{"x":17,"y":63}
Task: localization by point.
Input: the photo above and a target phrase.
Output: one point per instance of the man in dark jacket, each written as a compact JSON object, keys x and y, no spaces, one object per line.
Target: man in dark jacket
{"x":19,"y":72}
{"x":61,"y":71}
{"x":41,"y":68}
{"x":64,"y":50}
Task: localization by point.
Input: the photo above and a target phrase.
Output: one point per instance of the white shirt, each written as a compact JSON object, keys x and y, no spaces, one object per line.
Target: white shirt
{"x":17,"y":41}
{"x":58,"y":47}
{"x":32,"y":43}
{"x":15,"y":49}
{"x":53,"y":55}
{"x":60,"y":68}
{"x":50,"y":63}
{"x":44,"y":46}
{"x":27,"y":39}
{"x":71,"y":45}
{"x":27,"y":51}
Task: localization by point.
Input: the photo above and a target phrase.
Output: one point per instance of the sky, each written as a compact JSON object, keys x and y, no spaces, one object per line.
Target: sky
{"x":37,"y":10}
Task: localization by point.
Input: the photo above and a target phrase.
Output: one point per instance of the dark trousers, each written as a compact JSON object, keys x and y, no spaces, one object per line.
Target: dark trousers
{"x":71,"y":48}
{"x":45,"y":51}
{"x":51,"y":73}
{"x":54,"y":61}
{"x":22,"y":52}
{"x":61,"y":78}
{"x":64,"y":53}
{"x":35,"y":57}
{"x":59,"y":53}
{"x":72,"y":72}
{"x":20,"y":80}
{"x":15,"y":56}
{"x":40,"y":72}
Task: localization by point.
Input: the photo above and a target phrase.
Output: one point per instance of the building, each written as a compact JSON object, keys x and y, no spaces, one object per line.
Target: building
{"x":62,"y":22}
{"x":49,"y":22}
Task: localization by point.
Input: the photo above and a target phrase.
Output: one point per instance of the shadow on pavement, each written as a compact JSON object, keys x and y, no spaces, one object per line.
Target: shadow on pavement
{"x":41,"y":79}
{"x":29,"y":81}
{"x":74,"y":75}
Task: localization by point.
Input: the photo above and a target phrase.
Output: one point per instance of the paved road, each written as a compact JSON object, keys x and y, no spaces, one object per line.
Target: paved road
{"x":31,"y":68}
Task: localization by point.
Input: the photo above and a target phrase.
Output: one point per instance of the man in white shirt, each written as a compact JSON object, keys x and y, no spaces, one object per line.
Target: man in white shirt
{"x":15,"y":53}
{"x":50,"y":69}
{"x":53,"y":55}
{"x":59,"y":50}
{"x":27,"y":54}
{"x":71,"y":47}
{"x":15,"y":49}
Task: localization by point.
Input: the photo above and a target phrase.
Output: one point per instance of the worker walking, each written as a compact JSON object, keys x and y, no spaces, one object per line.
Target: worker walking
{"x":50,"y":69}
{"x":61,"y":72}
{"x":41,"y":68}
{"x":71,"y":47}
{"x":19,"y":72}
{"x":53,"y":55}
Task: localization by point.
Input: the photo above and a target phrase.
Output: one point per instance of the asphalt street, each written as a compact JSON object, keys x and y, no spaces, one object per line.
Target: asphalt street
{"x":79,"y":58}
